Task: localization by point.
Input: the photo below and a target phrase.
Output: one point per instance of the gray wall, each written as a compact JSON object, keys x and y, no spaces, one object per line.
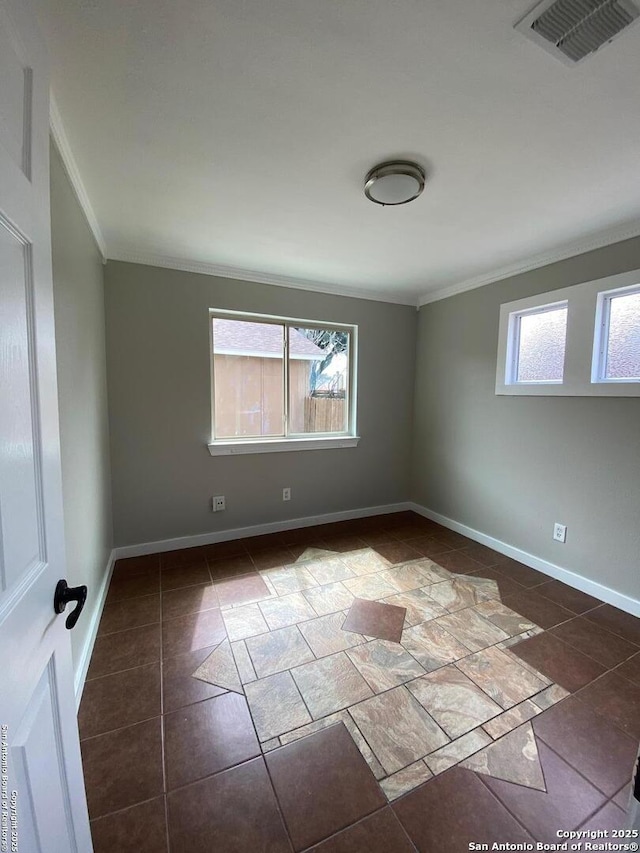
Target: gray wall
{"x":160,"y":408}
{"x":511,"y":466}
{"x":82,"y":390}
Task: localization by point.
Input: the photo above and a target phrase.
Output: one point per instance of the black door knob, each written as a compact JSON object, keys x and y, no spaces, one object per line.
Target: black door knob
{"x":63,"y":595}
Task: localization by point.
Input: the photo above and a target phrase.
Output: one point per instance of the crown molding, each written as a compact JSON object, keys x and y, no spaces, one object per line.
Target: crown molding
{"x":569,"y":250}
{"x":599,"y":240}
{"x":61,"y":141}
{"x":223,"y":271}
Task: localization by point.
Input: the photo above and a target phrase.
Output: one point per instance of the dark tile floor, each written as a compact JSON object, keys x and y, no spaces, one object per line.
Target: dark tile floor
{"x":383,"y":621}
{"x":175,"y":763}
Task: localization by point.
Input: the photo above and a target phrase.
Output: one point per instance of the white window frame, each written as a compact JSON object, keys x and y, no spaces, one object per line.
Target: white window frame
{"x":586,"y":303}
{"x":601,"y":336}
{"x":513,"y":345}
{"x":287,"y":442}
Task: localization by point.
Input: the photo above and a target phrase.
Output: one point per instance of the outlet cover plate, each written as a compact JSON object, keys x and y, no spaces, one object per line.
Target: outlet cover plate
{"x":560,"y":532}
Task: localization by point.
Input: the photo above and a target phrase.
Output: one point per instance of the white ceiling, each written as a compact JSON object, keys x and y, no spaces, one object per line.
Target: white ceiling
{"x":237,"y":133}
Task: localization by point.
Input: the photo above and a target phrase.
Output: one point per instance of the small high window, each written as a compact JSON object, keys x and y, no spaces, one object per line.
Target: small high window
{"x":538,"y":340}
{"x":617,"y":342}
{"x":578,"y":341}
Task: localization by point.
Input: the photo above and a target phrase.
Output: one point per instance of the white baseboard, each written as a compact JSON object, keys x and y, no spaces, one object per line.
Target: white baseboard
{"x":610,"y":596}
{"x":87,"y":651}
{"x":254,"y":530}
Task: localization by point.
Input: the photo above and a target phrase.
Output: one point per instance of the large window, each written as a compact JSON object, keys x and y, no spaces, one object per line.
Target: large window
{"x":582,"y":340}
{"x":281,"y":384}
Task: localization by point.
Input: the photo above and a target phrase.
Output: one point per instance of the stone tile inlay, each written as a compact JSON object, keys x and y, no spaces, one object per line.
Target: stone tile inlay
{"x":502,"y":676}
{"x":432,"y":572}
{"x":550,"y":696}
{"x":472,"y":630}
{"x":329,"y":599}
{"x":406,"y":578}
{"x":286,"y":610}
{"x":419,"y":605}
{"x":397,"y":728}
{"x":375,"y":619}
{"x":276,"y":705}
{"x":513,"y":758}
{"x":328,"y":570}
{"x":325,"y":635}
{"x":450,"y":676}
{"x":451,"y":692}
{"x":370,"y":586}
{"x":290,"y":579}
{"x":511,"y":719}
{"x":453,"y":700}
{"x":432,"y":646}
{"x":384,"y":664}
{"x":364,"y":562}
{"x":405,"y":780}
{"x":460,"y":592}
{"x":220,"y":669}
{"x":354,"y":731}
{"x":504,"y":617}
{"x":330,"y":684}
{"x":243,"y":662}
{"x":518,"y":638}
{"x":314,"y":554}
{"x":245,"y":621}
{"x":278,"y":650}
{"x":447,"y":756}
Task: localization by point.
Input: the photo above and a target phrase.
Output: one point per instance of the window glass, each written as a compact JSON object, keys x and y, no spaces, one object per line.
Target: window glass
{"x":623,"y":343}
{"x":318,"y":380}
{"x":248,"y":378}
{"x":541,"y":345}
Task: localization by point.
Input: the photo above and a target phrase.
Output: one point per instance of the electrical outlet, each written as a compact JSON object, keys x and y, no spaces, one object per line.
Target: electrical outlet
{"x":218,"y":503}
{"x":286,"y":494}
{"x":560,"y":532}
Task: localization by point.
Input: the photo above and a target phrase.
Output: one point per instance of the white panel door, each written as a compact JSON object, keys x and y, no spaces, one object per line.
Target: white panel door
{"x":42,"y":798}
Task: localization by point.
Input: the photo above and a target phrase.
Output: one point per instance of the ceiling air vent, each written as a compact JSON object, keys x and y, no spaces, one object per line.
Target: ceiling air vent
{"x":572,"y":29}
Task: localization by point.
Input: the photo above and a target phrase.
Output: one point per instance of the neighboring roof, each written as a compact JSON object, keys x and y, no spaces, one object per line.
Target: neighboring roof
{"x":243,"y":337}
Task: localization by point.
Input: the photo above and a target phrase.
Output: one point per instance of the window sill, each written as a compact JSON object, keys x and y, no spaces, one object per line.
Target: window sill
{"x":570,"y":388}
{"x":281,"y":445}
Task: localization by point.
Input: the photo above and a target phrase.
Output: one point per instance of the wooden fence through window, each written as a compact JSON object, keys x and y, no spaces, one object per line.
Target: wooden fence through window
{"x":324,"y":414}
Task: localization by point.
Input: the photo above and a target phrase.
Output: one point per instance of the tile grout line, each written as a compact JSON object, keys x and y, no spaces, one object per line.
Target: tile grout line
{"x":162,"y":733}
{"x":121,"y":671}
{"x":121,"y":728}
{"x":610,"y":721}
{"x":262,"y":757}
{"x":595,"y":660}
{"x":234,"y":766}
{"x":357,"y":823}
{"x":404,"y":684}
{"x":346,"y":710}
{"x":565,"y":761}
{"x":310,"y":620}
{"x":503,"y":805}
{"x":126,"y":808}
{"x":577,"y":770}
{"x":278,"y":804}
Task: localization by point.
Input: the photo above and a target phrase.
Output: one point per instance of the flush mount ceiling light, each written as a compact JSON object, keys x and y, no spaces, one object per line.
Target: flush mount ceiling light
{"x":395,"y":182}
